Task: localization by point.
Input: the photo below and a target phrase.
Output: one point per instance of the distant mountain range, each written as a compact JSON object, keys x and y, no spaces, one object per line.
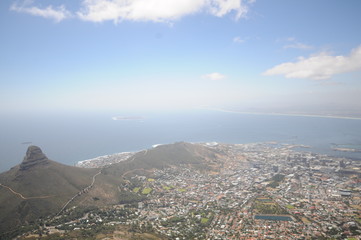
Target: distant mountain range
{"x":39,"y":187}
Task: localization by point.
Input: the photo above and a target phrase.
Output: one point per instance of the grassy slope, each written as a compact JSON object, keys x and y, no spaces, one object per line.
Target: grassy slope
{"x":163,"y":156}
{"x":47,"y":187}
{"x":60,"y":182}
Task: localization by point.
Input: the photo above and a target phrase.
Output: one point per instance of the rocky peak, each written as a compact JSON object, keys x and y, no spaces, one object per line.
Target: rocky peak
{"x":34,"y":156}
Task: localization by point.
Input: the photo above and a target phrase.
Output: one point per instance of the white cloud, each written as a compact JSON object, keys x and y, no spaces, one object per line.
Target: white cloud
{"x":293,"y":43}
{"x":137,"y":10}
{"x":297,"y":45}
{"x":156,"y":10}
{"x":214,"y":76}
{"x":220,"y":8}
{"x":319,"y":66}
{"x":238,"y":40}
{"x":57,"y":14}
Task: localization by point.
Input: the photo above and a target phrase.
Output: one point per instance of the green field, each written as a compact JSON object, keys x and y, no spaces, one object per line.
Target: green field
{"x":289,"y":206}
{"x":146,"y":191}
{"x":204,"y":220}
{"x":272,"y":207}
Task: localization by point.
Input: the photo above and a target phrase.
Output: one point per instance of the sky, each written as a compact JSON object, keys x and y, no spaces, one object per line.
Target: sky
{"x":244,"y":55}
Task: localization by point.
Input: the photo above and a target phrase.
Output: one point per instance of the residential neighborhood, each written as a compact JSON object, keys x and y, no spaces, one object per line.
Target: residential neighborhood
{"x":260,"y":191}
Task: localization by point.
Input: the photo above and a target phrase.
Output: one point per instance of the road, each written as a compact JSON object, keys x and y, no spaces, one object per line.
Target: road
{"x":80,"y":193}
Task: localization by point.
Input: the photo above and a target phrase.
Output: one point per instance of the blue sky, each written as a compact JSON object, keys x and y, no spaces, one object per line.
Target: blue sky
{"x":279,"y":55}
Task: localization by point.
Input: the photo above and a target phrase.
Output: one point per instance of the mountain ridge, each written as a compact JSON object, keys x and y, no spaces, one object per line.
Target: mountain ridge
{"x":40,"y":187}
{"x":33,"y":157}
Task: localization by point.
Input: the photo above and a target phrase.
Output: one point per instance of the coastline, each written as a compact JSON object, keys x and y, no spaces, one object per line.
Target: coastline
{"x":284,"y":114}
{"x":119,"y":118}
{"x":199,"y":125}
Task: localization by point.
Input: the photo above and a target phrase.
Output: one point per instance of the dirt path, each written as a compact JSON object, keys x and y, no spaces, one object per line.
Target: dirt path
{"x":22,"y":196}
{"x":80,"y":193}
{"x":138,"y":169}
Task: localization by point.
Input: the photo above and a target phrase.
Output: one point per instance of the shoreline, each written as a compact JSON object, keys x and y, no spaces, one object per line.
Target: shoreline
{"x":284,"y":114}
{"x":114,"y":158}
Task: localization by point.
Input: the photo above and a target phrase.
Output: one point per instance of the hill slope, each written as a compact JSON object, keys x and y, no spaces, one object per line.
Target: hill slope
{"x":38,"y":187}
{"x":162,"y":156}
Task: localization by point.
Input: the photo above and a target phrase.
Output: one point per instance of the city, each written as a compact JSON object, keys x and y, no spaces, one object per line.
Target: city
{"x":252,"y":191}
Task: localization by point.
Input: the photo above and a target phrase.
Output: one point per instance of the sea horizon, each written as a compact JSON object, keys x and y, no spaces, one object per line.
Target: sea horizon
{"x":70,"y":139}
{"x":287,"y":114}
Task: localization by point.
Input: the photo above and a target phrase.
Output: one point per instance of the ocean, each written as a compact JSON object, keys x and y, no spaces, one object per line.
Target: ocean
{"x":69,"y":138}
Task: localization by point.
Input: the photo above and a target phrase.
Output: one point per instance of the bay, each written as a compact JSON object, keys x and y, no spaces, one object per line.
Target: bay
{"x":72,"y":137}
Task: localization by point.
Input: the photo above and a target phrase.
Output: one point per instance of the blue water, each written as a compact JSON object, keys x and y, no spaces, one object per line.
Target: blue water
{"x":68,"y":138}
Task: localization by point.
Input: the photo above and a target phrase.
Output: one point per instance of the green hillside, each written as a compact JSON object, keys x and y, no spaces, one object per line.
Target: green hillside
{"x":162,"y":156}
{"x":39,"y":187}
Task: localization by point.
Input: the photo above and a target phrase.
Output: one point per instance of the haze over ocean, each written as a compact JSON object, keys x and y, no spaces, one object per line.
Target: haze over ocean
{"x":68,"y":67}
{"x":79,"y":136}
